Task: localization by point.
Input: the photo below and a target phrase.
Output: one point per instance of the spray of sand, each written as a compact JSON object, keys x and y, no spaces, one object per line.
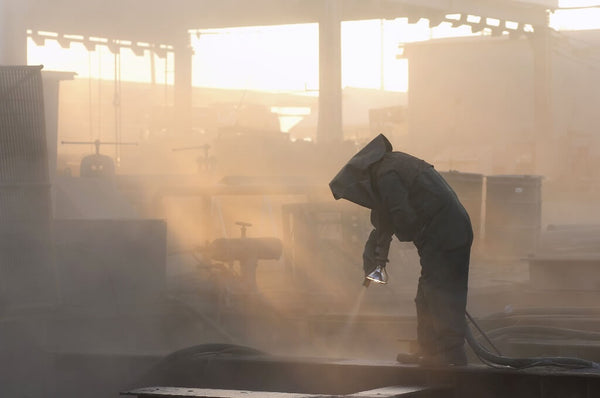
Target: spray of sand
{"x":346,"y":332}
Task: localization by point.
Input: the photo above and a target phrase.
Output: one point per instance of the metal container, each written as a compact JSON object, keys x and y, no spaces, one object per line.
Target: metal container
{"x":469,"y":189}
{"x":513,"y":214}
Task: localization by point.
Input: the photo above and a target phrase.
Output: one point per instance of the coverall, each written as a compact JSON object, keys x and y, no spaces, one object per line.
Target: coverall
{"x":408,"y":198}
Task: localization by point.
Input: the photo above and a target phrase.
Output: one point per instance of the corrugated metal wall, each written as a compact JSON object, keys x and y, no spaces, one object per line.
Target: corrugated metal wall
{"x":26,"y":266}
{"x":23,"y":154}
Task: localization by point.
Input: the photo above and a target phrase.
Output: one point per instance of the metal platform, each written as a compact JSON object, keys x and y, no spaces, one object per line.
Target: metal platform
{"x":268,"y":376}
{"x":182,"y":392}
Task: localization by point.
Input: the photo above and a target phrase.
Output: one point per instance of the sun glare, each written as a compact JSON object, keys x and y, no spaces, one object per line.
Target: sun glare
{"x":258,"y":58}
{"x":576,"y":19}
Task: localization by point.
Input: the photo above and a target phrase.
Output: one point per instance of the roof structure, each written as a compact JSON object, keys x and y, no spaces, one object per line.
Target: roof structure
{"x":161,"y":26}
{"x":161,"y":21}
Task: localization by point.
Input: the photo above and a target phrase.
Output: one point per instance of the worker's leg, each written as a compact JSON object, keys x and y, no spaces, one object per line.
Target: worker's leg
{"x":425,"y":330}
{"x":444,"y":279}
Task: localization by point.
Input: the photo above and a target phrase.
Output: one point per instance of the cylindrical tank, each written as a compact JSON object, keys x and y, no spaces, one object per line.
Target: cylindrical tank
{"x":513,"y":214}
{"x":469,"y":189}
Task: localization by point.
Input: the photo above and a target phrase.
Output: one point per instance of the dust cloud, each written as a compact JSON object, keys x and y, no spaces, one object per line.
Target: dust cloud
{"x":218,"y":230}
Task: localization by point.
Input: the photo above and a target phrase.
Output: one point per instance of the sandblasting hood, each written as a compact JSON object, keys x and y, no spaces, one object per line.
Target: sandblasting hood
{"x":353,"y":182}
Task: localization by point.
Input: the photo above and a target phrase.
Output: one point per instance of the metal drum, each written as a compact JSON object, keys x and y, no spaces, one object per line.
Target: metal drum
{"x":513,"y":214}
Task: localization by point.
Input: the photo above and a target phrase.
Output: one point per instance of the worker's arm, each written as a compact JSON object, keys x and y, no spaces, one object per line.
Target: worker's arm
{"x":378,"y":245}
{"x":395,"y":199}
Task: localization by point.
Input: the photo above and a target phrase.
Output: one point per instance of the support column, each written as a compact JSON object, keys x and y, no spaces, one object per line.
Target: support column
{"x":542,"y":75}
{"x":330,"y":74}
{"x":13,"y":33}
{"x":183,"y":84}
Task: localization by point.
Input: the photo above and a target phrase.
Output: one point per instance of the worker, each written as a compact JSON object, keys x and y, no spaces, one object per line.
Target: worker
{"x":408,"y":198}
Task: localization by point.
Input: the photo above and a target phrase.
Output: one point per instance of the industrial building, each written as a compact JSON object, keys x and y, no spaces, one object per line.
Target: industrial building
{"x":164,"y":239}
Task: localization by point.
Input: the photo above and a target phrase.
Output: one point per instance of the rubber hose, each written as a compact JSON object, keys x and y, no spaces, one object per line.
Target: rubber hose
{"x":522,"y":363}
{"x":564,"y":311}
{"x":543,"y":331}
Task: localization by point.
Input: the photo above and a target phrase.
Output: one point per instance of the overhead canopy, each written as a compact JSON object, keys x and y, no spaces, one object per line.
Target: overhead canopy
{"x":162,"y":21}
{"x":167,"y":22}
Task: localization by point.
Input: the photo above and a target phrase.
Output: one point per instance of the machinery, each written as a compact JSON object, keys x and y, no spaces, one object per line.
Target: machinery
{"x":246,"y":251}
{"x":97,"y":165}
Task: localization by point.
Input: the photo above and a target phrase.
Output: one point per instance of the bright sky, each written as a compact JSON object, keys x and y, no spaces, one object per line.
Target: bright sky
{"x":282,"y":57}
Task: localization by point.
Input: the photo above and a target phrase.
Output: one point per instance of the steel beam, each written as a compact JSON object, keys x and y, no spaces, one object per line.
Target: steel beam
{"x":159,"y":21}
{"x":330,"y":74}
{"x":13,"y":33}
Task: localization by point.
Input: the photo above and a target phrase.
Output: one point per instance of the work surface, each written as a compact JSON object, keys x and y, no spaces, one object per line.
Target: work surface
{"x":250,"y":376}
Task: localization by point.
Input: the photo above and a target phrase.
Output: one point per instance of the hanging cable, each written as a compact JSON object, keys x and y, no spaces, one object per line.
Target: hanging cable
{"x":99,"y":133}
{"x":90,"y":102}
{"x":120,"y":137}
{"x":166,"y":81}
{"x":117,"y":104}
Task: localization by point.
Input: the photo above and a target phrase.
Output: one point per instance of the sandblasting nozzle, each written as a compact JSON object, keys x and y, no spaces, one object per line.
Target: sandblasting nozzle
{"x":378,"y":275}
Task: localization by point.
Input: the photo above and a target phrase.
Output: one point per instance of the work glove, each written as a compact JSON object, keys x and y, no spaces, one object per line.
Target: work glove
{"x":369,"y":261}
{"x":374,"y":254}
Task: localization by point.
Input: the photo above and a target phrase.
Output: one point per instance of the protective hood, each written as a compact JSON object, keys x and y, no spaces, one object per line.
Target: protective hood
{"x":353,"y":182}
